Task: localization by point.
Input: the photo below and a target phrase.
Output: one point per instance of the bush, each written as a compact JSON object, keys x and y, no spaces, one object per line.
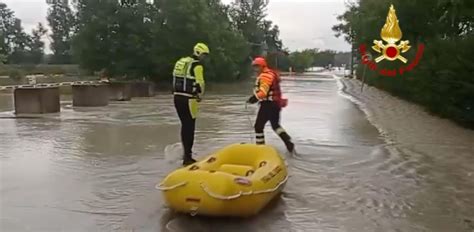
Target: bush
{"x":16,"y":75}
{"x":69,"y":70}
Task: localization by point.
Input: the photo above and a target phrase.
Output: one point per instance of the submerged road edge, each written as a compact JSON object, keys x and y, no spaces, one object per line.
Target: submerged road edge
{"x":400,"y":121}
{"x":346,"y":90}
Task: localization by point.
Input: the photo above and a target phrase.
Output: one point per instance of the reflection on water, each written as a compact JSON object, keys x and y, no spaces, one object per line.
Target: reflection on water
{"x":6,"y":101}
{"x":94,"y":169}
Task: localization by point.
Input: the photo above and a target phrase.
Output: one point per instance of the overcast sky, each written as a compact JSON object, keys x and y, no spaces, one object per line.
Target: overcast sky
{"x":303,"y":23}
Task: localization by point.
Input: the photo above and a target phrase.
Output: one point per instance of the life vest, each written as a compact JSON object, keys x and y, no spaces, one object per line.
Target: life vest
{"x":184,"y":82}
{"x":274,"y":93}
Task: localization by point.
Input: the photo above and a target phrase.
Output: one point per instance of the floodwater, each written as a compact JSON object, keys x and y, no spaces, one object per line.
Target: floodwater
{"x":94,"y":169}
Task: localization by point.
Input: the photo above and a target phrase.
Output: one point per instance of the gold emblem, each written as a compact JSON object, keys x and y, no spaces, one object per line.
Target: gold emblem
{"x":391,"y":33}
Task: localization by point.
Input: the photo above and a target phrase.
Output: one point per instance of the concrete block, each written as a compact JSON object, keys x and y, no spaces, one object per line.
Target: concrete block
{"x":90,"y":95}
{"x":143,"y":89}
{"x":120,"y":91}
{"x":36,"y":100}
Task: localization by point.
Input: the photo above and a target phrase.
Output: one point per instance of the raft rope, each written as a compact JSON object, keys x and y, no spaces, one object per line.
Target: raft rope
{"x":240,"y":194}
{"x":222,"y":197}
{"x":162,"y":188}
{"x":250,"y":122}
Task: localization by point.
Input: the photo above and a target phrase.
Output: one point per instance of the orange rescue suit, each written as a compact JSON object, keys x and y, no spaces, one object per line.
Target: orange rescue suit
{"x":267,"y":87}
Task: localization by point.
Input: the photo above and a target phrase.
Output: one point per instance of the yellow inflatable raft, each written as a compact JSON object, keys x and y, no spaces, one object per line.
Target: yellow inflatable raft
{"x":238,"y":180}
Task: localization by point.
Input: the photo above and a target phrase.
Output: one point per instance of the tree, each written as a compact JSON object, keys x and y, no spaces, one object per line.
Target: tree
{"x":16,"y":46}
{"x":136,"y":39}
{"x":342,"y":58}
{"x":14,"y":40}
{"x":348,"y":28}
{"x":62,"y":22}
{"x":19,"y":44}
{"x":7,"y":21}
{"x":179,"y":28}
{"x":443,"y":80}
{"x":95,"y":40}
{"x":323,"y":58}
{"x":300,"y":61}
{"x":248,"y":16}
{"x":230,"y":57}
{"x":272,"y":36}
{"x":37,"y":44}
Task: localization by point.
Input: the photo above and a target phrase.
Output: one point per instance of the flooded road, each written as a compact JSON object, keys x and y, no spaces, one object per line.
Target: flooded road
{"x":94,"y":169}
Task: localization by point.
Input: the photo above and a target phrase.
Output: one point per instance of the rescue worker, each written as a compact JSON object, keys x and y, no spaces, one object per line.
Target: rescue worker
{"x":268,"y":93}
{"x":188,"y":88}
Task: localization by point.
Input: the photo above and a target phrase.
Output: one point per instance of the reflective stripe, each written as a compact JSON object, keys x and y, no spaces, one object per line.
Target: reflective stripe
{"x":280,"y":130}
{"x":259,"y":134}
{"x":260,"y":140}
{"x":184,"y":86}
{"x":183,"y":94}
{"x":187,"y":77}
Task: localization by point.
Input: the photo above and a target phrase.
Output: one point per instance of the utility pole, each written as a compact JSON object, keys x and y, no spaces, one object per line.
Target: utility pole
{"x":352,"y":61}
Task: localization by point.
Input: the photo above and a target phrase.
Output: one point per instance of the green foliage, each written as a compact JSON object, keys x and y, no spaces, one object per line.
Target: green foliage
{"x":300,"y":61}
{"x":443,"y":81}
{"x":7,"y":23}
{"x":16,"y":75}
{"x":3,"y":58}
{"x":62,"y":22}
{"x":342,"y":59}
{"x":186,"y":22}
{"x":323,"y":58}
{"x":96,"y":33}
{"x":138,"y":39}
{"x":248,"y":17}
{"x":45,"y":69}
{"x":37,"y":44}
{"x":279,"y":60}
{"x":15,"y":45}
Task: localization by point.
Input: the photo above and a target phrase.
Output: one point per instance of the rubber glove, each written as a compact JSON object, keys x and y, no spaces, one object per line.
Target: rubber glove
{"x":252,"y":99}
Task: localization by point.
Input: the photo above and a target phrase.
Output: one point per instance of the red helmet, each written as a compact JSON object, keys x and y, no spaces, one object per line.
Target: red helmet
{"x":260,"y":61}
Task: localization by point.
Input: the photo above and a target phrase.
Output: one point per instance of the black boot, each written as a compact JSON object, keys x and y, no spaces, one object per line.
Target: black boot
{"x":188,"y":160}
{"x":290,"y":146}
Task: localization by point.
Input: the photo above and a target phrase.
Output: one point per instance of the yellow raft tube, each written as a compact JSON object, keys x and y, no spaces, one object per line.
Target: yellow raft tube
{"x":238,"y":180}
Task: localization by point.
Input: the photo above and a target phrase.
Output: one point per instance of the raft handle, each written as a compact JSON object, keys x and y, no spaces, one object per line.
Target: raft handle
{"x":249,"y":173}
{"x":235,"y":196}
{"x":194,"y":167}
{"x":194,"y":211}
{"x":164,"y":188}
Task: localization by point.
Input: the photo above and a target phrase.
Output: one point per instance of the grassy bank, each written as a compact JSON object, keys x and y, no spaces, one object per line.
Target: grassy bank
{"x":47,"y":79}
{"x":16,"y":74}
{"x":45,"y":69}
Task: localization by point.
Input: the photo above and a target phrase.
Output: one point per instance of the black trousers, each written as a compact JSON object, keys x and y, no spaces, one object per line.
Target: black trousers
{"x":270,"y":111}
{"x":188,"y":124}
